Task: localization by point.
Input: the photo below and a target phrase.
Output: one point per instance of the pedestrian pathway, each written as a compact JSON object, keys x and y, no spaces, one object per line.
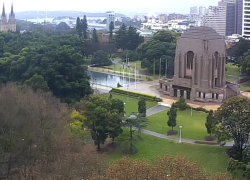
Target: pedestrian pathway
{"x":158,"y":109}
{"x":173,"y":138}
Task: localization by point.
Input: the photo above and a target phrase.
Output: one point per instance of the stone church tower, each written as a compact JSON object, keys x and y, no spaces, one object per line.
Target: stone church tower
{"x":200,"y":68}
{"x":8,"y":25}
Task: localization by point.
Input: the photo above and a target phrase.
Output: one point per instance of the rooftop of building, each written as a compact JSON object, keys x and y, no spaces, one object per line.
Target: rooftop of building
{"x":202,"y":32}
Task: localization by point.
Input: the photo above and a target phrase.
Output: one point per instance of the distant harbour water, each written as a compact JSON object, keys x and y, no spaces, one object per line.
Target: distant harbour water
{"x":41,"y":20}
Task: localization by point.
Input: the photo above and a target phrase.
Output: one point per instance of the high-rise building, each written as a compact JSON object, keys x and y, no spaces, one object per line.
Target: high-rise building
{"x":8,"y":25}
{"x":203,"y":10}
{"x":246,"y":19}
{"x":222,"y":18}
{"x":194,"y":10}
{"x":239,"y":16}
{"x":216,"y":19}
{"x":198,"y":10}
{"x":231,"y":17}
{"x":110,"y":18}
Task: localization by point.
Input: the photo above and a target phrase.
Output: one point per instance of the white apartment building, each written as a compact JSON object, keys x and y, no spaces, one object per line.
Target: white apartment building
{"x":110,"y":15}
{"x":216,"y":18}
{"x":246,"y":19}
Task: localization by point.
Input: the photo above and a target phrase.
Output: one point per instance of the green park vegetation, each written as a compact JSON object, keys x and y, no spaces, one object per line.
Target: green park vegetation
{"x":193,"y":127}
{"x":212,"y":158}
{"x":136,"y":94}
{"x":245,"y":86}
{"x":49,"y":114}
{"x":116,"y":67}
{"x":131,"y":103}
{"x":232,"y":73}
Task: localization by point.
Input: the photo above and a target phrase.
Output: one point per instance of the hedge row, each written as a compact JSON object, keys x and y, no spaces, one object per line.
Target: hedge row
{"x":136,"y":94}
{"x":198,"y":109}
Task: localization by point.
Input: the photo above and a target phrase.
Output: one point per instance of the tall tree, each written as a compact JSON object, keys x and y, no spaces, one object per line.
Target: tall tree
{"x":121,"y":37}
{"x":79,"y":26}
{"x":134,"y":39}
{"x":172,"y":115}
{"x":100,"y":58}
{"x":97,"y":112}
{"x":111,"y":29}
{"x":142,"y":109}
{"x":135,"y":123}
{"x":161,"y":45}
{"x":117,"y":105}
{"x":210,"y":123}
{"x":95,"y":36}
{"x":114,"y":125}
{"x":237,"y":51}
{"x":85,"y":27}
{"x":232,"y":121}
{"x":37,"y":83}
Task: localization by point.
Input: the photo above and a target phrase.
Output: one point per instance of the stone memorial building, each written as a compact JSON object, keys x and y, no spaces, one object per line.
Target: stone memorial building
{"x":200,"y":68}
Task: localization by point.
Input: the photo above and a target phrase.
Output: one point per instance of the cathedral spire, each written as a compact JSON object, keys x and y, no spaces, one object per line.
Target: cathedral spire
{"x":3,"y":13}
{"x":12,"y":11}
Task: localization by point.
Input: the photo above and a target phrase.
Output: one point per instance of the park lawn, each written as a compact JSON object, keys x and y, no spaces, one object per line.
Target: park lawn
{"x":245,"y":86}
{"x":115,"y":67}
{"x":87,"y":61}
{"x":212,"y":158}
{"x":193,"y":127}
{"x":232,"y":69}
{"x":132,"y":103}
{"x":138,"y":65}
{"x":232,"y":73}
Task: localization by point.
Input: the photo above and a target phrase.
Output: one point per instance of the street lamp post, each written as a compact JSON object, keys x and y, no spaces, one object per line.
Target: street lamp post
{"x":180,"y":133}
{"x":124,"y":110}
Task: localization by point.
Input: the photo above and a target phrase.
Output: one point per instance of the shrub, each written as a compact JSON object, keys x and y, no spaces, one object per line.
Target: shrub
{"x":182,"y":105}
{"x":136,"y":94}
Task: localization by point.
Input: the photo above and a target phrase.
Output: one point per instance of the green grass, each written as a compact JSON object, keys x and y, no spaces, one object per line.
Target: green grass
{"x":132,"y":103}
{"x":245,"y":86}
{"x":138,"y":65}
{"x":232,"y":73}
{"x":87,"y":61}
{"x":212,"y":158}
{"x":193,"y":127}
{"x":115,"y":67}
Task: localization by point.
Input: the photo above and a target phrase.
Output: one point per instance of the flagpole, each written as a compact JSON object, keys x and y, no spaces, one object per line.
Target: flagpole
{"x":128,"y":73}
{"x":154,"y":70}
{"x":135,"y":75}
{"x":160,"y":69}
{"x":166,"y":68}
{"x":123,"y":74}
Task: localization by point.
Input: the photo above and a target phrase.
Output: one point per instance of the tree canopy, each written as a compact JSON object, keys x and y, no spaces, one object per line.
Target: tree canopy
{"x":128,"y":38}
{"x":54,"y":60}
{"x":232,"y":121}
{"x":161,"y":46}
{"x":100,"y":58}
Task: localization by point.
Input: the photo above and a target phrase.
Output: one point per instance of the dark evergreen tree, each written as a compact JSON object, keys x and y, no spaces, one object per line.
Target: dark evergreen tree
{"x":114,"y":125}
{"x":111,"y":29}
{"x":172,"y":114}
{"x":95,"y":36}
{"x":142,"y":107}
{"x":79,"y":26}
{"x":85,"y":27}
{"x":209,"y":124}
{"x":121,"y":37}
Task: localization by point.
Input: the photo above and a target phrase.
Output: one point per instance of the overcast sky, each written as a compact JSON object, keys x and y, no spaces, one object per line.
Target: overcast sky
{"x":133,"y":6}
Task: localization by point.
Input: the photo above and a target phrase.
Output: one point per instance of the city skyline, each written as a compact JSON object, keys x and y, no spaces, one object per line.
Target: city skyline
{"x":158,"y":6}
